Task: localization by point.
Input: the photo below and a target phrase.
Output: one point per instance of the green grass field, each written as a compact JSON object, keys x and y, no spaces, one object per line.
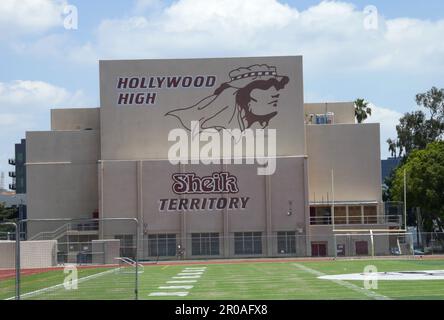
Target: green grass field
{"x":264,"y":280}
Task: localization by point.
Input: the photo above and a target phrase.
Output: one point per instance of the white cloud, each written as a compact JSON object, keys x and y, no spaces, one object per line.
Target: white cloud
{"x":30,"y":16}
{"x":331,"y":35}
{"x":34,"y":96}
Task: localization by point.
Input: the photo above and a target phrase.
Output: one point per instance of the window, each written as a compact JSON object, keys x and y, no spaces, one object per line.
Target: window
{"x":286,"y":242}
{"x":320,"y":215}
{"x":340,"y":215}
{"x":127,"y":248}
{"x":205,"y":244}
{"x":354,"y":215}
{"x":248,"y":243}
{"x":370,"y":215}
{"x":162,"y":245}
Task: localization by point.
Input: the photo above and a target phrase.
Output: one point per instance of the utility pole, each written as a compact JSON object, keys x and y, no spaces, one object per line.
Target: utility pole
{"x":405,"y":202}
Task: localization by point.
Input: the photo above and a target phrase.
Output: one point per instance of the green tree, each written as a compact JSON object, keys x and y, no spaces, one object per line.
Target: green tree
{"x":424,"y":183}
{"x":433,"y":100}
{"x":362,"y":110}
{"x":415,"y":130}
{"x":7,"y":214}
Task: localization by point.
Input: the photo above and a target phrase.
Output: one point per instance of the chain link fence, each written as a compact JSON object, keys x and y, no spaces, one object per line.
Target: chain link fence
{"x":104,"y":258}
{"x":74,"y":259}
{"x":287,"y":244}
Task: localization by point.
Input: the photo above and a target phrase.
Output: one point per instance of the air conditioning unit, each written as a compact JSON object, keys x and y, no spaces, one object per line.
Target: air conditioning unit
{"x":12,"y":186}
{"x":12,"y":174}
{"x":11,"y":162}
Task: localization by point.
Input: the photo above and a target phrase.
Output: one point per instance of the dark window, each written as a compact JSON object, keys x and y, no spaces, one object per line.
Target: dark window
{"x":320,"y":215}
{"x":205,"y":244}
{"x":248,"y":243}
{"x":286,"y":242}
{"x":162,"y":245}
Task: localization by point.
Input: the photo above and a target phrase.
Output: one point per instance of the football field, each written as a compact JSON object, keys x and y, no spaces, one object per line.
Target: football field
{"x":225,"y":280}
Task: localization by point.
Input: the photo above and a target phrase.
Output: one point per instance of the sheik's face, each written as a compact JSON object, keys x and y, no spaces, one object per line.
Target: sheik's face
{"x":264,"y":102}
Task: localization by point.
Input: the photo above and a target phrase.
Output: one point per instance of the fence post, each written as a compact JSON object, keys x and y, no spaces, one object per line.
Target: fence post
{"x":17,"y":261}
{"x":137,"y":260}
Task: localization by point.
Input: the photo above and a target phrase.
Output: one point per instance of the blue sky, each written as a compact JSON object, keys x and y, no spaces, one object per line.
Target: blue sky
{"x":43,"y":65}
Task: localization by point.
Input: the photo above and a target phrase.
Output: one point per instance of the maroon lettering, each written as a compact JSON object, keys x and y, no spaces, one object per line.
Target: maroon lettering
{"x":189,"y":183}
{"x":173,"y":82}
{"x":122,"y":83}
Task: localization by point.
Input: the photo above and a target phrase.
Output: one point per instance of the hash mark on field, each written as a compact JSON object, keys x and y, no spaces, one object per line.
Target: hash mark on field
{"x":176,"y":287}
{"x":189,"y":274}
{"x":166,"y":294}
{"x":187,"y":277}
{"x":348,"y":285}
{"x":182,"y":281}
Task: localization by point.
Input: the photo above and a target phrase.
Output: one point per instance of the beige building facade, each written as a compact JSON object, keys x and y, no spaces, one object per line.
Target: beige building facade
{"x":116,"y":162}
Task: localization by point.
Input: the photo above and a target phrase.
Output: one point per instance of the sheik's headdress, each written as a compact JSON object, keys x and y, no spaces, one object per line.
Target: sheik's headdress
{"x":221,"y":110}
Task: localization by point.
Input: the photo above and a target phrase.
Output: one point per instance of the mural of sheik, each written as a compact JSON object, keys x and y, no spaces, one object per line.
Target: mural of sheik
{"x":248,"y":100}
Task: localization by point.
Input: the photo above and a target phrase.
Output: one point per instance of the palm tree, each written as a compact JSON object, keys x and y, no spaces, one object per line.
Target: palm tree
{"x":362,"y":110}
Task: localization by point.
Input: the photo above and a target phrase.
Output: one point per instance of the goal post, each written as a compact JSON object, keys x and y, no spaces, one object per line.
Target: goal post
{"x":372,"y":243}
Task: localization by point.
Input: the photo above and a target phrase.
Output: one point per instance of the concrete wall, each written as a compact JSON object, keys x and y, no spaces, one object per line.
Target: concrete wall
{"x":75,"y":119}
{"x":7,"y":254}
{"x":132,"y":132}
{"x":353,"y":152}
{"x":133,"y":189}
{"x":344,"y":111}
{"x":33,"y":254}
{"x":105,"y":251}
{"x":61,"y":175}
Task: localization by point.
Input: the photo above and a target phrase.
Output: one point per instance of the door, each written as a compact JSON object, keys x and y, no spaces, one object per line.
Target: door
{"x":319,"y":249}
{"x":361,"y":248}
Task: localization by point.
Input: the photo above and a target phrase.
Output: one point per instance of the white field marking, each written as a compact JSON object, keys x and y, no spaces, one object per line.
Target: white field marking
{"x":185,"y":276}
{"x":182,"y":281}
{"x":195,"y":268}
{"x":168,"y":294}
{"x":347,"y":285}
{"x":391,"y":276}
{"x":176,"y":287}
{"x":190,"y":274}
{"x":59,"y":286}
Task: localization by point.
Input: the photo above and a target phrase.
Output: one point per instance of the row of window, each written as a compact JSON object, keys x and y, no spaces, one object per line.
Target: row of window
{"x":208,"y":244}
{"x":323,"y":215}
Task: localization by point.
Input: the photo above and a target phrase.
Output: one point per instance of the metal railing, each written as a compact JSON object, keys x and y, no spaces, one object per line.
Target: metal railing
{"x":64,"y":230}
{"x":357,"y":220}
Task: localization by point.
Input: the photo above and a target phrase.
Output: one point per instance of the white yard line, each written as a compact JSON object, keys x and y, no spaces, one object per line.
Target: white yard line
{"x":348,"y":285}
{"x":59,"y":286}
{"x":176,"y":287}
{"x":168,"y":294}
{"x":190,"y":274}
{"x":182,"y":281}
{"x":186,"y":277}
